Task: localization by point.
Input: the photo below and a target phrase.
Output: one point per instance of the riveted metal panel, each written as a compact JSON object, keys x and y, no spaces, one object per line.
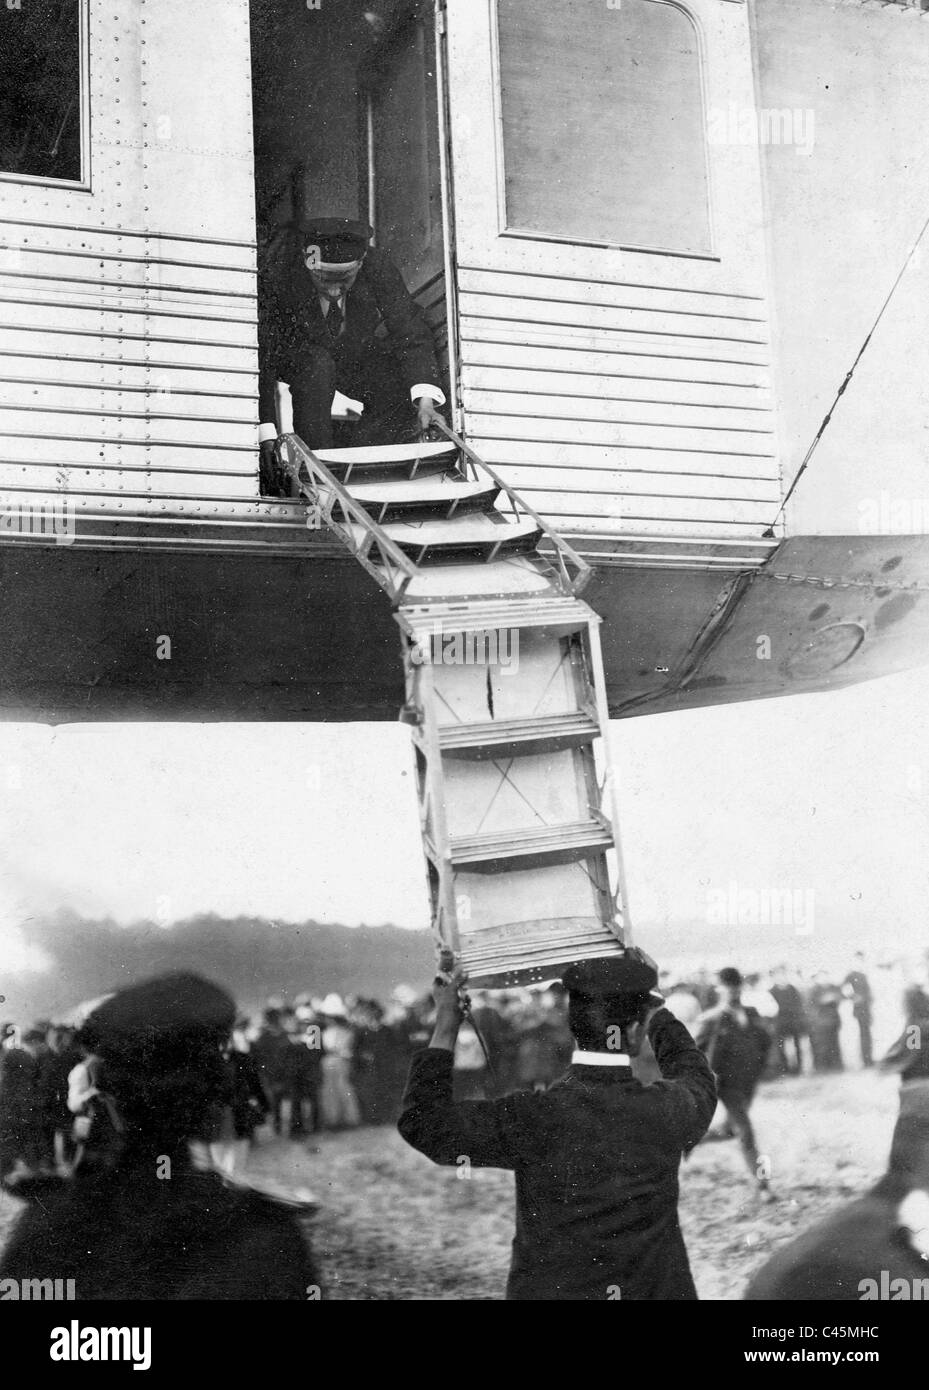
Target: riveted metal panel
{"x":129,"y":347}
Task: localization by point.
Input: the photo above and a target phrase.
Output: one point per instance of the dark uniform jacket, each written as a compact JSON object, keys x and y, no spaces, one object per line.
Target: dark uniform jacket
{"x":737,"y":1051}
{"x":596,"y":1159}
{"x":131,"y":1235}
{"x":379,"y":309}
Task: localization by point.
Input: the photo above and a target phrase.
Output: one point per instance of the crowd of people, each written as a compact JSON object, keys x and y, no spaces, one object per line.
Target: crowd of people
{"x":332,"y":1062}
{"x":803,"y":1013}
{"x":165,"y":1080}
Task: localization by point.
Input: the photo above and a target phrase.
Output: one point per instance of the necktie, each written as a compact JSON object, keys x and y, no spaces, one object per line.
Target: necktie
{"x":335,"y":318}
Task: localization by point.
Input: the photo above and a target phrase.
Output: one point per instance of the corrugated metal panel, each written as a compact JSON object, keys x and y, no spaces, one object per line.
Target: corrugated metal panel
{"x":606,"y":358}
{"x":562,"y":405}
{"x":128,"y":355}
{"x":569,"y":289}
{"x":625,"y":406}
{"x":628,"y":386}
{"x":49,"y":394}
{"x":575,"y":338}
{"x":657,"y":319}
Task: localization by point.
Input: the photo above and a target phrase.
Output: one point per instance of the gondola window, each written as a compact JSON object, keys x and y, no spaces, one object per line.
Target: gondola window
{"x":41,"y":99}
{"x":603,"y":128}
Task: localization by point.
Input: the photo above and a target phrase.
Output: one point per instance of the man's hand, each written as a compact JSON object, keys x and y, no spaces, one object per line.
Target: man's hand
{"x":657,"y":1004}
{"x":447,"y":990}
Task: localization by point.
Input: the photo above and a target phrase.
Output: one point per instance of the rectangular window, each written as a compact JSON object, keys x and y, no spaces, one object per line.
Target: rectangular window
{"x":603,"y":123}
{"x":42,"y":90}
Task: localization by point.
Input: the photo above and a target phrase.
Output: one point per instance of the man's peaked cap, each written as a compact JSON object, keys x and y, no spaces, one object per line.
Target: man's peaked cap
{"x":629,"y":971}
{"x":156,"y":1013}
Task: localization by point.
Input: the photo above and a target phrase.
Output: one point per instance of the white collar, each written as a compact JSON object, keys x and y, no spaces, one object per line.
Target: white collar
{"x":599,"y":1059}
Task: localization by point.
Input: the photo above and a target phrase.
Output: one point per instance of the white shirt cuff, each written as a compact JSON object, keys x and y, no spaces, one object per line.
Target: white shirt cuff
{"x":266,"y":432}
{"x":422,"y":388}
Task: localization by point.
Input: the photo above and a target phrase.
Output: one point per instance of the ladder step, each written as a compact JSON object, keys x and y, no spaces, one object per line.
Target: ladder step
{"x":428,"y":496}
{"x":481,"y":535}
{"x":506,"y":974}
{"x":559,"y":616}
{"x":495,"y":738}
{"x":523,"y":952}
{"x":556,"y":960}
{"x":482,"y":582}
{"x":389,"y":460}
{"x":529,"y":848}
{"x":542,"y":946}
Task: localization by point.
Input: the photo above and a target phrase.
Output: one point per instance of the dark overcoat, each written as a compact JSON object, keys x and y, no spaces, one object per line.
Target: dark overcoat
{"x":596,"y":1159}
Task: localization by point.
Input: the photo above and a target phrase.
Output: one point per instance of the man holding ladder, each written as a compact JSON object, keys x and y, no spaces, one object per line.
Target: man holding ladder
{"x":596,"y":1156}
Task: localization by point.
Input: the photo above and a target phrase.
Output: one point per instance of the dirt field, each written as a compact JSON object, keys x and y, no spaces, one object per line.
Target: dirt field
{"x":392,"y":1226}
{"x":395,"y":1227}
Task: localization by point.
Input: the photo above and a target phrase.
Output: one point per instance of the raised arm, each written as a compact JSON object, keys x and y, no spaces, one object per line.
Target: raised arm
{"x":686,"y":1074}
{"x":475,"y":1133}
{"x":479,"y":1133}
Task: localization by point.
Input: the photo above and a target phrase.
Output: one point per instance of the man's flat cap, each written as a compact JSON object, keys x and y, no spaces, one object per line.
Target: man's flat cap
{"x":630,"y":971}
{"x":156,"y":1012}
{"x":339,"y":239}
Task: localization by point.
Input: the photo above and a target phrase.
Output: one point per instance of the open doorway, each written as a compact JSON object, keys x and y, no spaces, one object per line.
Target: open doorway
{"x":346,"y":103}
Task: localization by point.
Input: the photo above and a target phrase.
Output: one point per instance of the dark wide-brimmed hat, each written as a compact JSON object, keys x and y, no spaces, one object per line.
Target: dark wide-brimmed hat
{"x":338,"y":240}
{"x":629,"y":971}
{"x":155,"y":1014}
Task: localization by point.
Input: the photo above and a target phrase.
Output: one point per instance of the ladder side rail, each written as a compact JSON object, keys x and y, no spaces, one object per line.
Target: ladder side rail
{"x":299,"y":459}
{"x":420,"y":712}
{"x":585,"y":695}
{"x":575,"y":571}
{"x":609,"y":795}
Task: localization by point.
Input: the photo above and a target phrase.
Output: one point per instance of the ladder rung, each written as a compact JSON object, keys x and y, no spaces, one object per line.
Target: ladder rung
{"x":507,"y":974}
{"x":547,"y":844}
{"x":386,"y":453}
{"x":383,"y":461}
{"x":539,"y":951}
{"x":434,"y":497}
{"x":494,"y":737}
{"x":477,"y":535}
{"x":482,"y":581}
{"x":556,"y":615}
{"x":541,"y":940}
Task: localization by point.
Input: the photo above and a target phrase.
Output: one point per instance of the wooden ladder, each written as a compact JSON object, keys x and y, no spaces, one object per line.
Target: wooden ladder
{"x":505,"y":696}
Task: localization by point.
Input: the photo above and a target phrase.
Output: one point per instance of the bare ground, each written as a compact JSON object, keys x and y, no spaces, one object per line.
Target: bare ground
{"x":393,"y":1226}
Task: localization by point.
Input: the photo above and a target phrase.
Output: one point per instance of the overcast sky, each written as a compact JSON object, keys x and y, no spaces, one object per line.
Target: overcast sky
{"x":827,"y":793}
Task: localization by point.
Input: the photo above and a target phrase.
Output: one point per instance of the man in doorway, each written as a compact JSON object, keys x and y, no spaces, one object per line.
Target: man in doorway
{"x":335,"y":314}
